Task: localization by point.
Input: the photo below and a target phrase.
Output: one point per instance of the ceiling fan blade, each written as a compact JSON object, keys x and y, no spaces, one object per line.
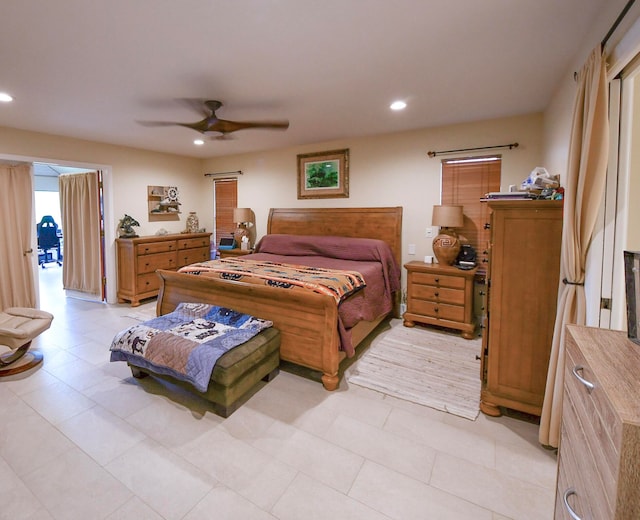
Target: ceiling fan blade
{"x":226,"y":127}
{"x":211,"y":123}
{"x":157,"y":123}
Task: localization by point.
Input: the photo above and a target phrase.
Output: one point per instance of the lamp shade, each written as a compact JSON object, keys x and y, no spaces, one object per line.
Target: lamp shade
{"x":242,"y":215}
{"x":447,"y":216}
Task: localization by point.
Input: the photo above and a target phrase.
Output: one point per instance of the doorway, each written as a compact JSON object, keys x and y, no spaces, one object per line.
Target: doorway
{"x":48,"y":205}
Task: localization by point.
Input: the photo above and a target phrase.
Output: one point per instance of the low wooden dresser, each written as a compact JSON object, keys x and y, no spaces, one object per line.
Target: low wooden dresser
{"x":440,"y":295}
{"x":599,"y":454}
{"x":139,"y":258}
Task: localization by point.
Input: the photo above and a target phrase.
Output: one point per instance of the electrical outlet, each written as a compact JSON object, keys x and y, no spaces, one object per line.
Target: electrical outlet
{"x":412,"y":249}
{"x":429,"y":232}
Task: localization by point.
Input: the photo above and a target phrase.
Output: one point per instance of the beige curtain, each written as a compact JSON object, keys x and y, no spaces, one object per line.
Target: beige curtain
{"x":586,"y":174}
{"x":17,"y":285}
{"x":80,"y":211}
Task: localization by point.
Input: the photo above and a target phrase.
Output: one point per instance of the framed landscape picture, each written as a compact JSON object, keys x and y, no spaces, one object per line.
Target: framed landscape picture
{"x":323,"y":175}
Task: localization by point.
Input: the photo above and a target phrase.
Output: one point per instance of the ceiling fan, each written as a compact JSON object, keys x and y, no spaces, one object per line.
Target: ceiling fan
{"x":211,"y":122}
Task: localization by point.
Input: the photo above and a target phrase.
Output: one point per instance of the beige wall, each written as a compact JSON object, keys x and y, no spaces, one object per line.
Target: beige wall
{"x":386,"y":170}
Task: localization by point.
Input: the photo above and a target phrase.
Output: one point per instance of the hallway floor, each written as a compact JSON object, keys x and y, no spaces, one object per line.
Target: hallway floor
{"x":80,"y":438}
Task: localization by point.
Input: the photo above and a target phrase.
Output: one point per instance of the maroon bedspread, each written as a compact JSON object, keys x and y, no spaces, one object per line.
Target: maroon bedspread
{"x":370,"y":257}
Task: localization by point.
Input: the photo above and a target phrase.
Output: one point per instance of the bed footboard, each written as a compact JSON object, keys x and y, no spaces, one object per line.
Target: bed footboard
{"x":307,"y":321}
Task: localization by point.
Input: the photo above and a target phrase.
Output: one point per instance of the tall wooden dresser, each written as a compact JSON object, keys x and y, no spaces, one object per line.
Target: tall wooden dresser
{"x":599,"y":453}
{"x":139,"y":258}
{"x":520,"y":303}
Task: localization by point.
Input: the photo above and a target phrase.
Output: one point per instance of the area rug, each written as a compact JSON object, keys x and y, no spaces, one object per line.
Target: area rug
{"x":424,"y":366}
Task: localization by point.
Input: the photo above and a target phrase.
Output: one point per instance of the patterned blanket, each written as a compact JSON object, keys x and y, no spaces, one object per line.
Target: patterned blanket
{"x":187,"y":342}
{"x":336,"y":283}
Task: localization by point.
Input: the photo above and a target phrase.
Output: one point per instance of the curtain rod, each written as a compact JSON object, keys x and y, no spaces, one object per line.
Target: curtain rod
{"x":612,"y":29}
{"x":237,"y":172}
{"x":510,"y":146}
{"x":617,"y":22}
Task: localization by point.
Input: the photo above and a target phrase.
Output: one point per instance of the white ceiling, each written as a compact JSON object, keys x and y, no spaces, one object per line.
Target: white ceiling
{"x":92,"y":69}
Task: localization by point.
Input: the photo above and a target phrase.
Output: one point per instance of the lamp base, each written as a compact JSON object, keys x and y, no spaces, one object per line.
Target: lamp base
{"x":446,"y":247}
{"x":240,"y":231}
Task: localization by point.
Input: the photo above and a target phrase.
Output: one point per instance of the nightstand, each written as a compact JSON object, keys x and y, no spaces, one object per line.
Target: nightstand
{"x":226,"y":253}
{"x":440,"y":295}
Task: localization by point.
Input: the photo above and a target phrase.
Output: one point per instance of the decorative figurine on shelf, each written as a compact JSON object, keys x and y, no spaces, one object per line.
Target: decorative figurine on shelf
{"x":125,"y":227}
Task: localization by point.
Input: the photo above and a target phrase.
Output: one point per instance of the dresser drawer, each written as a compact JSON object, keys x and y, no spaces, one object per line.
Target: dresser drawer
{"x":155,"y":247}
{"x":438,"y":280}
{"x":439,"y":294}
{"x":585,"y":469}
{"x":189,"y":243}
{"x":592,"y":413}
{"x":436,"y":310}
{"x":147,"y":282}
{"x":191,"y":256}
{"x":149,"y":263}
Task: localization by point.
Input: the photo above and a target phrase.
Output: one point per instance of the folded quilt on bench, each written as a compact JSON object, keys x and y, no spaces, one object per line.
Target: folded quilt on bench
{"x":187,"y":342}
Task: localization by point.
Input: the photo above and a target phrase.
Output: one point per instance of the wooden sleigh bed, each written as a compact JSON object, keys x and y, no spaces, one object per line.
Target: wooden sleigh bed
{"x":307,"y":321}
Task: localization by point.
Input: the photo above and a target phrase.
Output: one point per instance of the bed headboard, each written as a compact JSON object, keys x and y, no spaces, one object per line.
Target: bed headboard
{"x":381,"y":223}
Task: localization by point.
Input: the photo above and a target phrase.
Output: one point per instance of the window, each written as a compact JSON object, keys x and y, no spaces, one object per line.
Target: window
{"x":465,"y":182}
{"x":225,"y":199}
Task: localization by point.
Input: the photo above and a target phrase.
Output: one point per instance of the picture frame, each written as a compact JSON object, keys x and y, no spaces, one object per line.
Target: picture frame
{"x":323,"y":175}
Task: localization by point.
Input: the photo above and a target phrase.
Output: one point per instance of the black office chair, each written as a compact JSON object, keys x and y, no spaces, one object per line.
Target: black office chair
{"x":48,"y":241}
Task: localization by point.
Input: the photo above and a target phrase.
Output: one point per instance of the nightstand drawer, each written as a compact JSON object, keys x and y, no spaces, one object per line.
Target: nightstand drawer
{"x":438,"y":280}
{"x":438,"y":294}
{"x":436,"y":310}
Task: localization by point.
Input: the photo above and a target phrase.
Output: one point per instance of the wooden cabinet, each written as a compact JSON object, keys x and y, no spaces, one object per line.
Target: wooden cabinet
{"x":521,"y":292}
{"x":599,"y":454}
{"x":139,"y":258}
{"x":440,"y":295}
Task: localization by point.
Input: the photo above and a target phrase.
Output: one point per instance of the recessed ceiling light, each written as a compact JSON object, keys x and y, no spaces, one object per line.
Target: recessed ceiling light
{"x":5,"y":98}
{"x":398,"y":105}
{"x":198,"y":142}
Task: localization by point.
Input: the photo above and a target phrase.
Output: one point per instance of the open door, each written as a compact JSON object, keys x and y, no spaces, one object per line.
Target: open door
{"x":83,"y":224}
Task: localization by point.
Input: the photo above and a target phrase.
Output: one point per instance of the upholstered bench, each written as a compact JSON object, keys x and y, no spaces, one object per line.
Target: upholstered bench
{"x":236,"y":374}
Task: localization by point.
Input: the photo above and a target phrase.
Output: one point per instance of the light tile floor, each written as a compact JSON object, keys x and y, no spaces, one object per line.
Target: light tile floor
{"x":81,"y":439}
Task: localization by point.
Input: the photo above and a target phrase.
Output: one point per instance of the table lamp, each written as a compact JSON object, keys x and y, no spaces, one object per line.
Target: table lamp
{"x":446,"y":245}
{"x":244,"y":218}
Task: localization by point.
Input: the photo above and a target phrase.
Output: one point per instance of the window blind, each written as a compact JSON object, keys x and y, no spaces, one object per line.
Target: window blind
{"x":465,"y":183}
{"x":225,"y":200}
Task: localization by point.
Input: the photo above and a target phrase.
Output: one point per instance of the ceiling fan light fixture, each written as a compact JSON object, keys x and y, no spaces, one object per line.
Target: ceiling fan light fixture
{"x":198,"y":142}
{"x":398,"y":105}
{"x":5,"y":98}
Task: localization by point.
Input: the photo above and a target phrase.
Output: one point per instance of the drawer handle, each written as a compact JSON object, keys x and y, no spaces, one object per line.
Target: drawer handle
{"x":436,"y":294}
{"x":437,"y":280}
{"x":565,"y":499}
{"x":590,"y":386}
